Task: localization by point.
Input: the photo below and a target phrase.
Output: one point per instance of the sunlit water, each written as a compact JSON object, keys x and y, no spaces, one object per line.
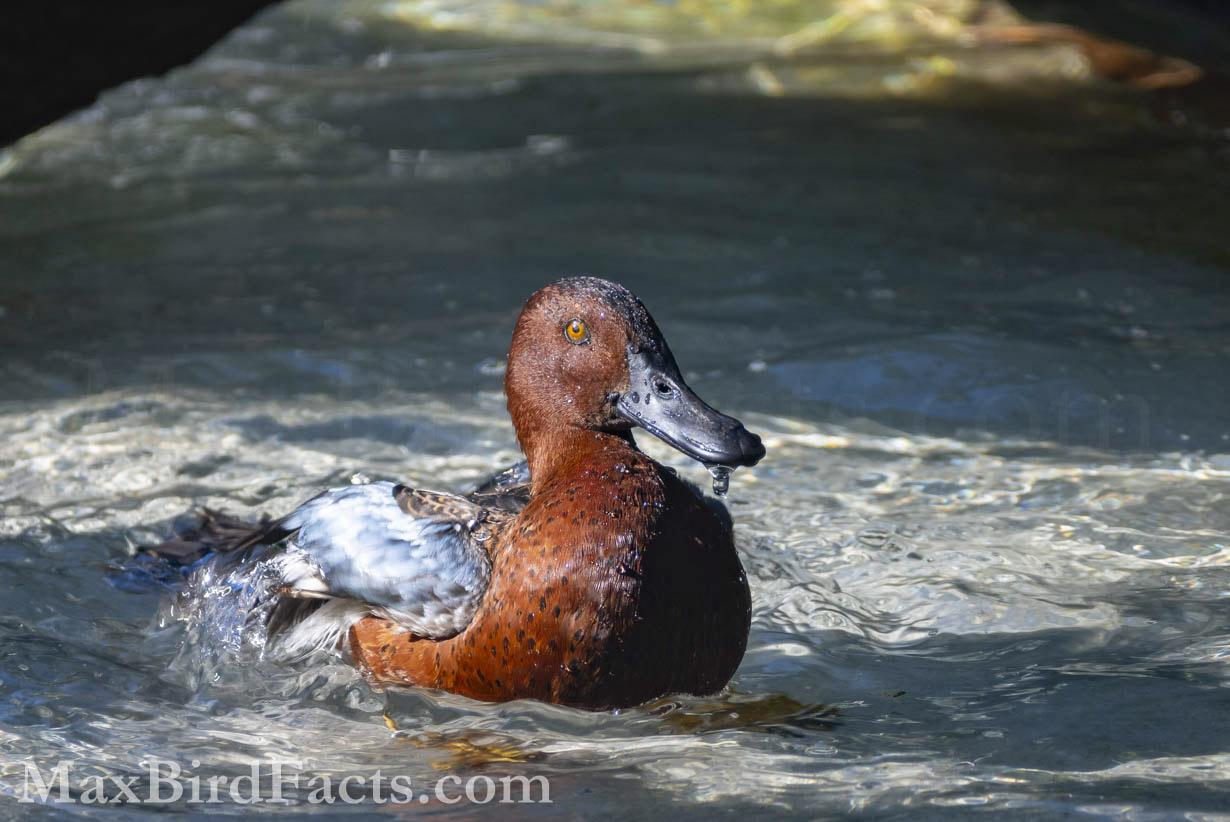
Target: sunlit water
{"x":983,"y":337}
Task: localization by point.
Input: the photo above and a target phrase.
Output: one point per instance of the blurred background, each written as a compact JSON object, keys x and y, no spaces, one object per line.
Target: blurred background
{"x":962,"y":262}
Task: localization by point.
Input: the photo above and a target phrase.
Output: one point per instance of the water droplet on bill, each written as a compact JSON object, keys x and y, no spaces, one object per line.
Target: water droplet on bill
{"x":721,"y":478}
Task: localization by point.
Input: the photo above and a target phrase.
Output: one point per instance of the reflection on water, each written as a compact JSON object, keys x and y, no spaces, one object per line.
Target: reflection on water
{"x":984,"y":344}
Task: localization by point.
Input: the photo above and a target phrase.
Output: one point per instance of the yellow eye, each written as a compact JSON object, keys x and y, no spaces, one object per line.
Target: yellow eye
{"x":577,"y":332}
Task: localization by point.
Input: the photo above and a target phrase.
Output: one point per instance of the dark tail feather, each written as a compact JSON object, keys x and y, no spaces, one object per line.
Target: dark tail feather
{"x":288,"y":612}
{"x":207,"y":533}
{"x":217,"y":533}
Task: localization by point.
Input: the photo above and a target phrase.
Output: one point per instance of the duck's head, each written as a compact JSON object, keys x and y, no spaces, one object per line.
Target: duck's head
{"x":586,"y":354}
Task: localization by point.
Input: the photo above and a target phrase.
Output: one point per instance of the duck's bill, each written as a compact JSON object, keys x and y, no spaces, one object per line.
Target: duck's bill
{"x":659,"y":401}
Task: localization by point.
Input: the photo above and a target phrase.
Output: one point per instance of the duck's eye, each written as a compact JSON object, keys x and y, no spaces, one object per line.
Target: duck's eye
{"x":577,"y":332}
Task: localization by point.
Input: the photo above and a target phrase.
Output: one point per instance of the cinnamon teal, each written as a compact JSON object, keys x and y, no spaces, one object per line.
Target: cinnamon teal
{"x":589,"y":575}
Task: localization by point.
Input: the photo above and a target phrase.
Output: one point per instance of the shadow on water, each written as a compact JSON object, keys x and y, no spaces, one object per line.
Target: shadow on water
{"x":1037,"y":700}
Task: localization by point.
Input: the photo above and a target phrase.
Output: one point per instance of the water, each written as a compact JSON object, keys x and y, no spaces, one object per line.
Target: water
{"x":721,"y":478}
{"x":977,"y":313}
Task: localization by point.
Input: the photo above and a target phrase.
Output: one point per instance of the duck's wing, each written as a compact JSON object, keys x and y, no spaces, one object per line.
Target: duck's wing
{"x":414,"y":557}
{"x":507,"y":490}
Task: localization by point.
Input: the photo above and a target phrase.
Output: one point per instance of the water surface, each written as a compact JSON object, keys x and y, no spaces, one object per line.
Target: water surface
{"x":979,"y":320}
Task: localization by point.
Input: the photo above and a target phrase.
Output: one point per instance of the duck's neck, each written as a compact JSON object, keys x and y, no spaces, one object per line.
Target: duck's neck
{"x":550,"y":451}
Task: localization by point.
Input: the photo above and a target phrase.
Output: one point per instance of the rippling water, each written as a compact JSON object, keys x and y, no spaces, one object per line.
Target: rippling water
{"x":983,"y":333}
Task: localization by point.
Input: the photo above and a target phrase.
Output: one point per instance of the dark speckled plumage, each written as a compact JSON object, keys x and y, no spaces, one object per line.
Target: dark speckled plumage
{"x":615,"y":585}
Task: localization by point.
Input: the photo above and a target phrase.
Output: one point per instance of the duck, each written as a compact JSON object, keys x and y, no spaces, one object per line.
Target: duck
{"x":588,"y":575}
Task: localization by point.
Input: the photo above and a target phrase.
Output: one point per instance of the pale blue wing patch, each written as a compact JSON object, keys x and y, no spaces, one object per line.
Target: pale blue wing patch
{"x":414,"y":557}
